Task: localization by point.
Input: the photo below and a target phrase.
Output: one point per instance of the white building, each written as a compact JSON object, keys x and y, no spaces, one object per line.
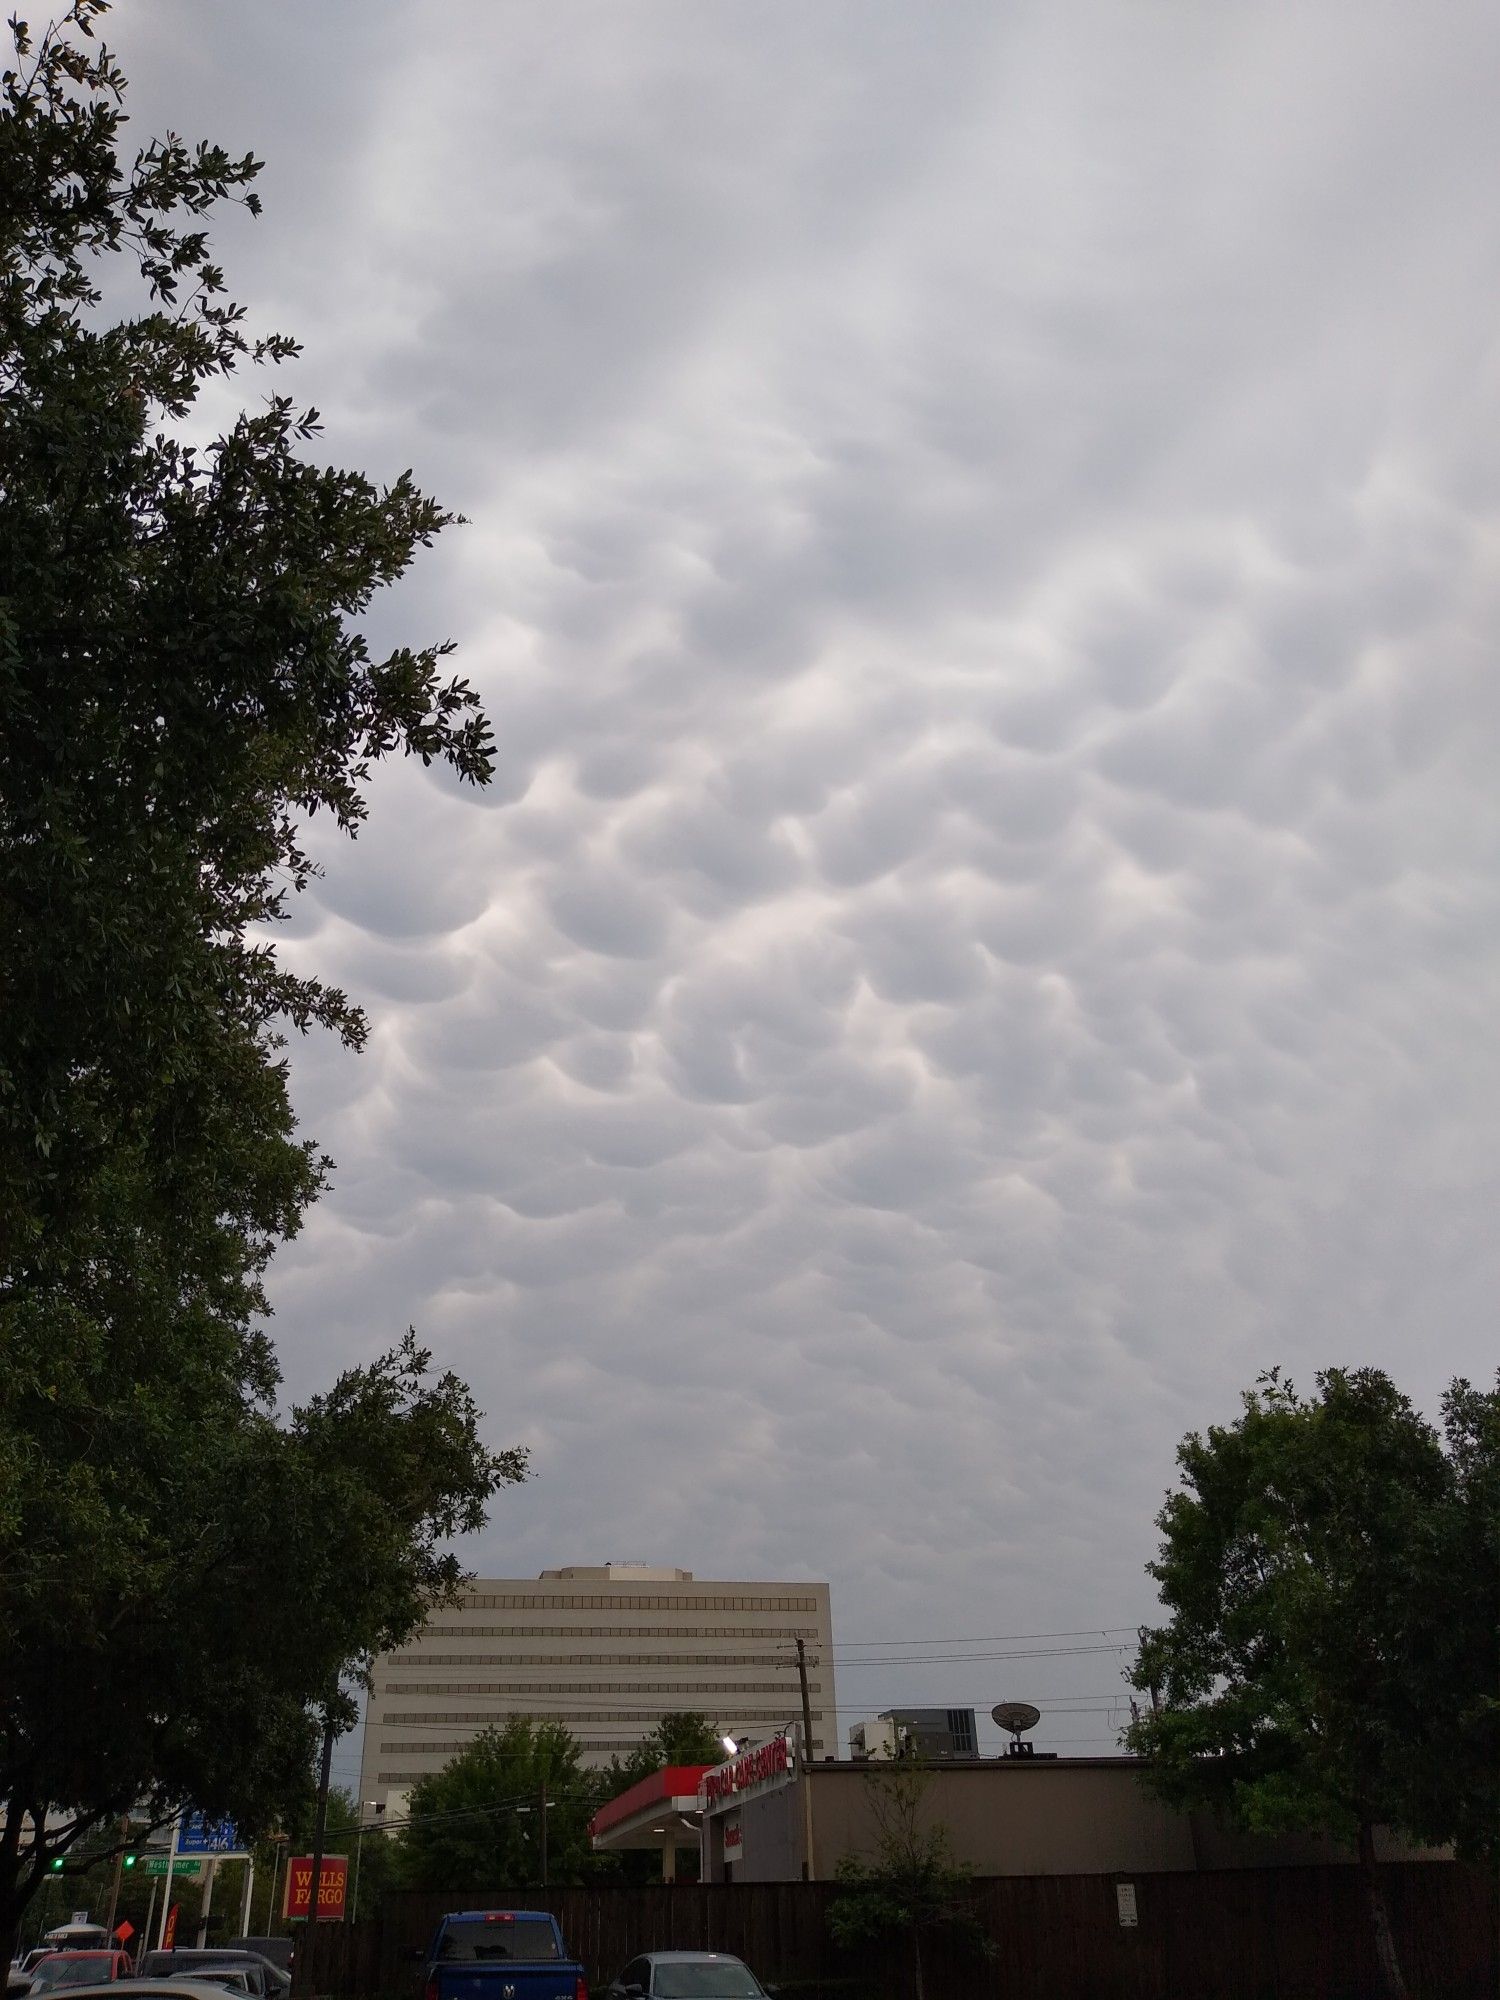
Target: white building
{"x":608,"y":1651}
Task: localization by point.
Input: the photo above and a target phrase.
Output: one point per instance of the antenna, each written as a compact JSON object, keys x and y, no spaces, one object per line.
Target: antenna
{"x":1017,"y":1717}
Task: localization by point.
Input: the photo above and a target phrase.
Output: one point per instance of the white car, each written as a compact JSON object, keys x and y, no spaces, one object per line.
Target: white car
{"x":150,"y":1989}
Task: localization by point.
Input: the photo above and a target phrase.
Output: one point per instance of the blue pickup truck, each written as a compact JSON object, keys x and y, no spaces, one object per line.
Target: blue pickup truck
{"x":501,"y":1955}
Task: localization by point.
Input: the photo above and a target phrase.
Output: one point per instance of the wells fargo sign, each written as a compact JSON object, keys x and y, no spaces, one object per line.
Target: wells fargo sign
{"x":767,"y":1765}
{"x":332,"y":1884}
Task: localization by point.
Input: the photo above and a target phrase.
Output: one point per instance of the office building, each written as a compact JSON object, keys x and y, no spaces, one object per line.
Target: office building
{"x":608,"y":1651}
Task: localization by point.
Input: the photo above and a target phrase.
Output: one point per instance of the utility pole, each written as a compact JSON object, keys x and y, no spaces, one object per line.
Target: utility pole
{"x":544,"y":1836}
{"x":806,"y":1703}
{"x":320,"y":1829}
{"x":114,"y":1886}
{"x":808,"y":1871}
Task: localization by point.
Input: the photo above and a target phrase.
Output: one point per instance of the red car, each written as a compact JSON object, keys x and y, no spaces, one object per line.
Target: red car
{"x":61,"y":1969}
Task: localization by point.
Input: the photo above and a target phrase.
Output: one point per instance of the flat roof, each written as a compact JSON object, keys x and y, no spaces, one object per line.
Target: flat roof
{"x":1040,"y":1762}
{"x":673,"y":1788}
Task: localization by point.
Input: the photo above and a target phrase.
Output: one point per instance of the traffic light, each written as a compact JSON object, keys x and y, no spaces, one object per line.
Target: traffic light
{"x":57,"y":1865}
{"x":131,"y":1860}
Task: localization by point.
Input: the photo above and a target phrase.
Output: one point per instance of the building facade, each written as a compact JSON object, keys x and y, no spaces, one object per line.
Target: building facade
{"x":607,"y":1651}
{"x":1001,"y":1815}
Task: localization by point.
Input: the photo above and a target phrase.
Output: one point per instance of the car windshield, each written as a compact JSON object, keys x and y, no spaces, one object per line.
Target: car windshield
{"x":70,"y":1972}
{"x":705,"y":1979}
{"x":189,"y":1964}
{"x":527,"y":1940}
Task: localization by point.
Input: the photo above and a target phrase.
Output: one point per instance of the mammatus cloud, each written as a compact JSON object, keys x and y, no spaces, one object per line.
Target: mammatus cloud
{"x":982,"y":561}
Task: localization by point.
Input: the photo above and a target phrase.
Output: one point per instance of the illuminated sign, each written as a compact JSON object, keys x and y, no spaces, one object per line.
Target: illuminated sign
{"x":759,"y":1770}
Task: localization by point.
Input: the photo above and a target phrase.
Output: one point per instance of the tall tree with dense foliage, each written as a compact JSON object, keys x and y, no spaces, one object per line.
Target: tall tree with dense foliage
{"x":183,"y":1571}
{"x":683,"y":1737}
{"x":480,"y":1823}
{"x":1331,"y":1574}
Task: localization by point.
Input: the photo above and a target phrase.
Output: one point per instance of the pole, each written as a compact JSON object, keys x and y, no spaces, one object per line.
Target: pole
{"x":320,"y":1831}
{"x":114,"y":1886}
{"x":359,"y":1854}
{"x":806,"y":1701}
{"x":145,"y":1943}
{"x":544,"y":1836}
{"x":249,"y":1893}
{"x":271,"y":1906}
{"x":166,"y":1891}
{"x":211,"y":1870}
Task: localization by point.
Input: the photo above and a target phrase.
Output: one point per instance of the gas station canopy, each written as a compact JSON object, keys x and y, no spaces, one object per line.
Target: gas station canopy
{"x":660,"y":1812}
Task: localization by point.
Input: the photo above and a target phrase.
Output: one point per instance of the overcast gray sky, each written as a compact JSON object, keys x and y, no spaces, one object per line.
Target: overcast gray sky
{"x":983,"y":558}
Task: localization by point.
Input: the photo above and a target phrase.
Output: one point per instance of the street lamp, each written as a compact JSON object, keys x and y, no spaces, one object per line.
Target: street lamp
{"x":376,"y":1806}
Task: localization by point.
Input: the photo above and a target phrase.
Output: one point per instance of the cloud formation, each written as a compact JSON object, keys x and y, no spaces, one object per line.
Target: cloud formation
{"x":982,"y":562}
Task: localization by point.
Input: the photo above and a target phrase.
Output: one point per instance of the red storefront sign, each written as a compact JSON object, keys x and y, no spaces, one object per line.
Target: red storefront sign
{"x":331,"y":1886}
{"x":760,"y":1766}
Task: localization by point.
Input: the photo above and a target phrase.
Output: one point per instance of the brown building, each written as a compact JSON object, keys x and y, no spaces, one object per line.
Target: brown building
{"x":1002,"y":1815}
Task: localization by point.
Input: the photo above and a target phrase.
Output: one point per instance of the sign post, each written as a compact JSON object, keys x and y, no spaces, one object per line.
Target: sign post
{"x":166,"y":1894}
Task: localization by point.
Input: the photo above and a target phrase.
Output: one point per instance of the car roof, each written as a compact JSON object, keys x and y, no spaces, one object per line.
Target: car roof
{"x":482,"y":1916}
{"x":144,"y":1989}
{"x":207,"y":1954}
{"x":693,"y":1957}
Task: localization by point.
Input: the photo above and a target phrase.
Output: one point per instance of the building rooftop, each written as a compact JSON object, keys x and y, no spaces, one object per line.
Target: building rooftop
{"x":626,"y":1572}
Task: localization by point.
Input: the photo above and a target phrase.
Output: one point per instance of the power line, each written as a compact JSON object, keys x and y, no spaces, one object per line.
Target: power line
{"x":993,"y":1638}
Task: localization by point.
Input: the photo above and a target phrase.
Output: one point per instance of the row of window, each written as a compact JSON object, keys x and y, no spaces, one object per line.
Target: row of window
{"x":449,"y":1718}
{"x":619,"y":1601}
{"x":423,"y":1658}
{"x":774,"y":1635}
{"x":696,"y":1689}
{"x":596,"y":1747}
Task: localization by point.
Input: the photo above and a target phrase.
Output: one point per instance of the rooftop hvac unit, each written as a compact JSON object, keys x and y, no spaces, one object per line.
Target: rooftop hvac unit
{"x":874,"y":1739}
{"x":942,"y":1733}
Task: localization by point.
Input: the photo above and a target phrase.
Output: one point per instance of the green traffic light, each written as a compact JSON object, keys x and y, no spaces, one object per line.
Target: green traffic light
{"x":57,"y":1866}
{"x":131,"y":1859}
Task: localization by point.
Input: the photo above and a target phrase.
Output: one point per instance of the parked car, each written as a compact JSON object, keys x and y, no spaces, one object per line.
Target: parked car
{"x":79,"y":1968}
{"x":229,"y":1978}
{"x":501,"y":1955}
{"x":18,"y":1973}
{"x":152,"y":1989}
{"x":686,"y":1975}
{"x":278,"y":1949}
{"x":265,"y":1981}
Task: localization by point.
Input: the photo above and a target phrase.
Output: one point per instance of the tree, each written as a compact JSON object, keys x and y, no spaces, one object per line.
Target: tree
{"x":909,"y":1887}
{"x":682,"y":1737}
{"x":183,"y":1569}
{"x":1332,"y":1577}
{"x":480,"y":1821}
{"x":267,"y":1558}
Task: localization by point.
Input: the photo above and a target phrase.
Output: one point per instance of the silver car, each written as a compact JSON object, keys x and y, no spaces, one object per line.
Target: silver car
{"x":685,"y":1975}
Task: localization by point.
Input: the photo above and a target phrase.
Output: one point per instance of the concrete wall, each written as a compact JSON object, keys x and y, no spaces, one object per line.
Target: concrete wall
{"x":1016,"y":1816}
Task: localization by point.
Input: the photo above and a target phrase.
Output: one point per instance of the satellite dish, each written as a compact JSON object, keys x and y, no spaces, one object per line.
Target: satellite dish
{"x":1016,"y":1716}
